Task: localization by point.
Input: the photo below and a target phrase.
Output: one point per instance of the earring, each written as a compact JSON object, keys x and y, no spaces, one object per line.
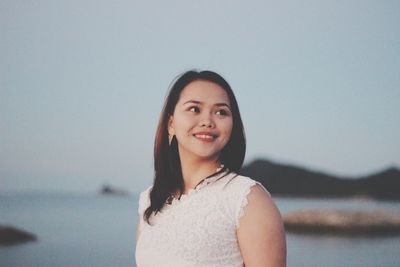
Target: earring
{"x":170,"y":137}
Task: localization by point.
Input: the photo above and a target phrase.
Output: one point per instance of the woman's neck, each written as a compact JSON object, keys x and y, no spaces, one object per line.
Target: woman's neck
{"x":193,"y":171}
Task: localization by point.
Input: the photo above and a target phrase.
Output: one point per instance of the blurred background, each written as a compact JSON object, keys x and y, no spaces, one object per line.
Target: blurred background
{"x":82,"y":85}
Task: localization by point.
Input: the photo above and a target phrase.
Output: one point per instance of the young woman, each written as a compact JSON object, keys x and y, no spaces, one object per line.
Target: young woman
{"x":199,"y":211}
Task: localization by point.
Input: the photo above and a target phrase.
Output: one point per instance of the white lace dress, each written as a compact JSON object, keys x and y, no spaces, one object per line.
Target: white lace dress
{"x":197,"y":230}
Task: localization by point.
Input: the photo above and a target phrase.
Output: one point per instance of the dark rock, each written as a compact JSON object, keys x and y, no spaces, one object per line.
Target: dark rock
{"x":12,"y":236}
{"x":109,"y":190}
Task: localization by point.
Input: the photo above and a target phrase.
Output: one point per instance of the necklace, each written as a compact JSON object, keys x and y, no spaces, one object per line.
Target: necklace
{"x":204,"y":182}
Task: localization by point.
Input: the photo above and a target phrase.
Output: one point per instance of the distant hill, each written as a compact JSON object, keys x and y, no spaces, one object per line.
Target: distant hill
{"x":296,"y":181}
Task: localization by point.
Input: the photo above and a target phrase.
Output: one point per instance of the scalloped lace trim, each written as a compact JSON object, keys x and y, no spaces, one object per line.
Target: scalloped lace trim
{"x":243,"y":204}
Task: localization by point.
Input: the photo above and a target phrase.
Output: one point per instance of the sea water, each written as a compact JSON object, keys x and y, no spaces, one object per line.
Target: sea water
{"x":99,"y":230}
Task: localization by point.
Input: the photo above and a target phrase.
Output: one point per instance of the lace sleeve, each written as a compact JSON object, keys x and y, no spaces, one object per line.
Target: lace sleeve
{"x":242,"y":200}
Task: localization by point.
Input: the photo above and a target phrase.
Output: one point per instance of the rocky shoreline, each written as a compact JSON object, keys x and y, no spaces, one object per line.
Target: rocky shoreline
{"x":307,"y":221}
{"x":347,"y":222}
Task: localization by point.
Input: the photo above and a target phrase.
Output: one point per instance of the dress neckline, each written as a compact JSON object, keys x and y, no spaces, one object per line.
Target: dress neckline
{"x":219,"y":173}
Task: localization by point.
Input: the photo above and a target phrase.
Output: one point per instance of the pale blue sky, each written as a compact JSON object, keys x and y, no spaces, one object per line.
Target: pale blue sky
{"x":82,"y":84}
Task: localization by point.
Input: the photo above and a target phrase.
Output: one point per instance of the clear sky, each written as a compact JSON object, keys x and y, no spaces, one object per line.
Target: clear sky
{"x":82,"y":84}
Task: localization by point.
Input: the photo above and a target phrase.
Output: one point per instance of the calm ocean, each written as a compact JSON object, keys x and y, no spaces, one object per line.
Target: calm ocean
{"x":95,"y":230}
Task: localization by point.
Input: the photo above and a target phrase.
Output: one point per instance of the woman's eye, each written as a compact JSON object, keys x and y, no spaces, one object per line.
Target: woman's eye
{"x":222,"y":112}
{"x":194,"y":109}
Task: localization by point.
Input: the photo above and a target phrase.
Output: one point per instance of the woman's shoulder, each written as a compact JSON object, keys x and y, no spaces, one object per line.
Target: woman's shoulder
{"x":144,"y":199}
{"x":145,"y":194}
{"x":237,"y":182}
{"x":236,"y":191}
{"x":146,"y":191}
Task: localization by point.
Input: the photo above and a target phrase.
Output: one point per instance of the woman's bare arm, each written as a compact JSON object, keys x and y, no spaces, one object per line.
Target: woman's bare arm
{"x":261,"y":233}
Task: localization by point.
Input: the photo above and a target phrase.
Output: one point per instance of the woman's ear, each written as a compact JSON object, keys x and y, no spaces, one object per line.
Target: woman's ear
{"x":171,"y":130}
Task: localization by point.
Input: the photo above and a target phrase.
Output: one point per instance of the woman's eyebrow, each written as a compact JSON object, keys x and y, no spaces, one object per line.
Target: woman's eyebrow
{"x":192,"y":101}
{"x":222,"y":105}
{"x":199,"y":102}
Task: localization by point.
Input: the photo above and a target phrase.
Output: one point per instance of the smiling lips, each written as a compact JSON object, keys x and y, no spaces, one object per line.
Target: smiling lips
{"x":205,"y":136}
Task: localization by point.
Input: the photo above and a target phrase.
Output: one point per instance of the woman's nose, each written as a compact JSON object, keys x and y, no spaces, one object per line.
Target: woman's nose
{"x":207,"y":121}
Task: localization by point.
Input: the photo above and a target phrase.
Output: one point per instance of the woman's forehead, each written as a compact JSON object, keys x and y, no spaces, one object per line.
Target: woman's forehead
{"x":204,"y":91}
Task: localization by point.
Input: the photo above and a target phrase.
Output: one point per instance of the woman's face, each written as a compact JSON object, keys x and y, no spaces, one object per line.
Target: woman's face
{"x":202,"y":120}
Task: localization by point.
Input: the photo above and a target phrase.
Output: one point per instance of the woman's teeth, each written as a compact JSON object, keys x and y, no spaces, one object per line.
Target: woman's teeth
{"x":203,"y":136}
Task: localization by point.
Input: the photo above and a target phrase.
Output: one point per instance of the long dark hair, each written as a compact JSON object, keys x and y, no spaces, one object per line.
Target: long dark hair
{"x":167,"y":166}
